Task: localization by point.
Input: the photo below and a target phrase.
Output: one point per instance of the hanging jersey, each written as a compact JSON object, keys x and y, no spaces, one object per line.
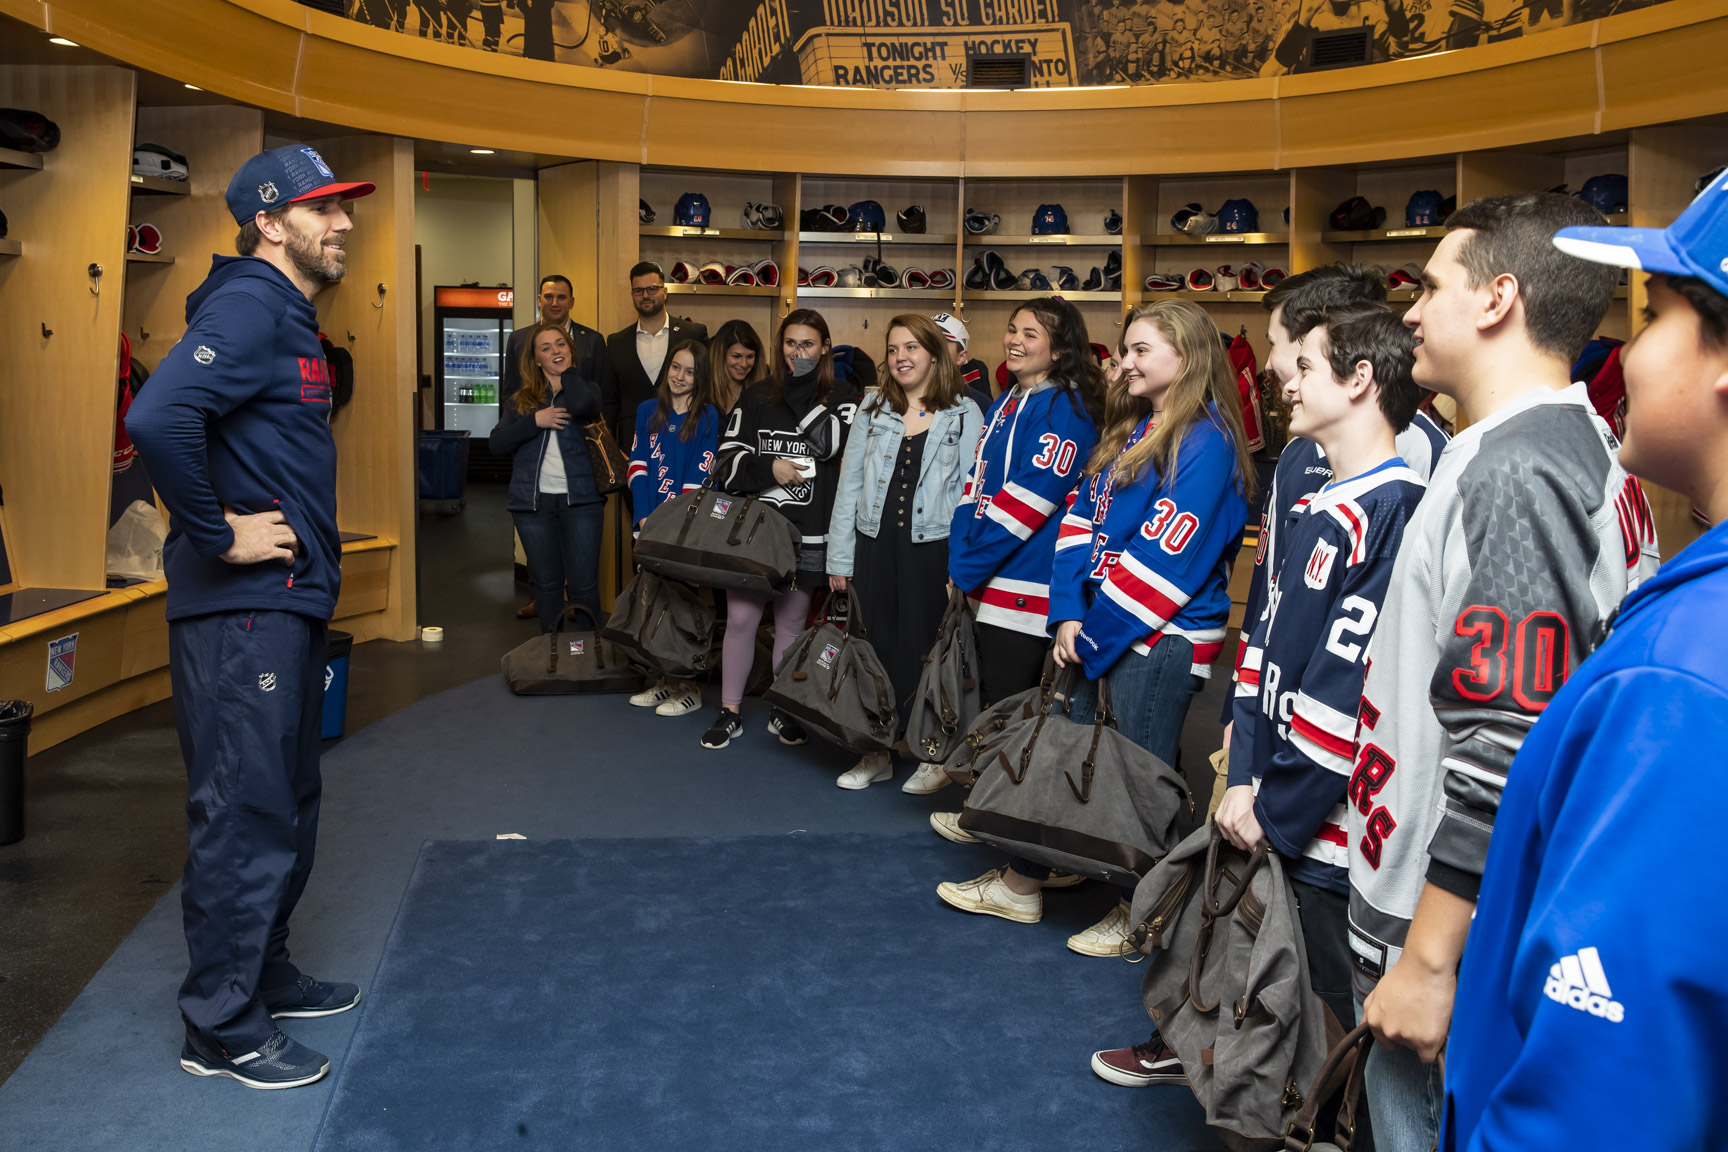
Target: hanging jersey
{"x":1296,"y":699}
{"x":1247,"y":369}
{"x":662,"y":463}
{"x":1151,"y":558}
{"x":1529,"y":537}
{"x":1003,"y":539}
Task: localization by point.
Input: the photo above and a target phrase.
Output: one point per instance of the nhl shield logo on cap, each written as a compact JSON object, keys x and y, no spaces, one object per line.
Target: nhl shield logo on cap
{"x":205,"y":354}
{"x":268,"y":192}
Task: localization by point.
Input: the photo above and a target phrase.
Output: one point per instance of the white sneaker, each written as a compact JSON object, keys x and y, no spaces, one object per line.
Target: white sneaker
{"x":947,"y":825}
{"x":1108,"y":937}
{"x":873,"y":769}
{"x":654,"y":695}
{"x":685,"y":698}
{"x":989,"y":895}
{"x":929,"y":778}
{"x":1064,"y":880}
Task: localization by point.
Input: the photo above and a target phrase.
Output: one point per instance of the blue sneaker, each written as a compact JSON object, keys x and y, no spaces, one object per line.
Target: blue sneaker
{"x":306,"y":998}
{"x":279,"y":1062}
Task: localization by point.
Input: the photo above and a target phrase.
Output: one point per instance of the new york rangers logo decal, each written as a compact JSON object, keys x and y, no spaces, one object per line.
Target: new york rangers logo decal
{"x":829,"y":653}
{"x":62,"y":662}
{"x":721,"y":507}
{"x":1319,"y":569}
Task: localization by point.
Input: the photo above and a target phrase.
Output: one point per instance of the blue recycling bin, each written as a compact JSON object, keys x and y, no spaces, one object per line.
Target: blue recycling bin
{"x":341,"y":645}
{"x":442,"y":456}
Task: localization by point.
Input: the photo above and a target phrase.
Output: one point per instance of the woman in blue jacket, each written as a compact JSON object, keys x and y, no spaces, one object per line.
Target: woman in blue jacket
{"x":900,"y":481}
{"x":558,"y":511}
{"x":671,"y":453}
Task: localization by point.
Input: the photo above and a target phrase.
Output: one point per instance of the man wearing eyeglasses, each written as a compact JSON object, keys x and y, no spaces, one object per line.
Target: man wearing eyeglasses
{"x":636,"y":354}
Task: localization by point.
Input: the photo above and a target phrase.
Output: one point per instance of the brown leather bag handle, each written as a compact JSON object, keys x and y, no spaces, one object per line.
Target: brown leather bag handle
{"x":738,"y":521}
{"x":1344,"y":1064}
{"x":1256,"y":858}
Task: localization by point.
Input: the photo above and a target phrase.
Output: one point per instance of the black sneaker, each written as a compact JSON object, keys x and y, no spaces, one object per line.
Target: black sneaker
{"x":727,"y":727}
{"x":788,"y":729}
{"x":306,"y":998}
{"x":279,"y":1062}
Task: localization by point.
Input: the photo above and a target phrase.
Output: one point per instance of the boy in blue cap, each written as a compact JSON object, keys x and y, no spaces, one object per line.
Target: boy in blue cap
{"x":235,"y":428}
{"x":1593,"y":993}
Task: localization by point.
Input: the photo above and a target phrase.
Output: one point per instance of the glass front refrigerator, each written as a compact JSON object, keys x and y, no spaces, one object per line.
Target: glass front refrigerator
{"x":473,"y":329}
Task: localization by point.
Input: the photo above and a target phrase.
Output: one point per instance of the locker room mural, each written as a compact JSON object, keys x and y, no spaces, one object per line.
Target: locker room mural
{"x":926,"y":43}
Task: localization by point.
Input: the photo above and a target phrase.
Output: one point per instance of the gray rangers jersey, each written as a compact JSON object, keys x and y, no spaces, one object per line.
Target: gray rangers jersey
{"x":1529,"y":536}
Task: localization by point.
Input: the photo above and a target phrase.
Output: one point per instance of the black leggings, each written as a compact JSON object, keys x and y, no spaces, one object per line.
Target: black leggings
{"x":1008,"y":662}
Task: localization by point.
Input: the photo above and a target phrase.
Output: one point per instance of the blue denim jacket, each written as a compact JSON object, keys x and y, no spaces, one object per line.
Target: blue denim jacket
{"x":868,"y":468}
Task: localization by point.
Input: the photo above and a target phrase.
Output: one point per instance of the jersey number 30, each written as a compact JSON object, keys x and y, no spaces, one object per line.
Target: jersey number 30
{"x":1057,"y":452}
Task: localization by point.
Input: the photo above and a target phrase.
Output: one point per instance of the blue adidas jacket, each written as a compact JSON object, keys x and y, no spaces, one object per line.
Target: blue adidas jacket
{"x":662,"y":463}
{"x":1593,"y":999}
{"x":1002,"y":543}
{"x":238,"y":415}
{"x":1152,"y":558}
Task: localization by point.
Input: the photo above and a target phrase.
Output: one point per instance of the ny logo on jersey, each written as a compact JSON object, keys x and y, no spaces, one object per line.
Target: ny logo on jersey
{"x":1319,"y":570}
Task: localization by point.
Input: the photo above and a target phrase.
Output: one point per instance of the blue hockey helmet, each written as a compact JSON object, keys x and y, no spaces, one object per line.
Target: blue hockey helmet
{"x":1238,"y":216}
{"x":692,"y":211}
{"x":1605,"y":193}
{"x":866,"y":216}
{"x":1050,"y":220}
{"x":1423,"y":210}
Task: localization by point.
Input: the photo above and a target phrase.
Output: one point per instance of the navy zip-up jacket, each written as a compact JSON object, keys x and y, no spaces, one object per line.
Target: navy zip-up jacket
{"x":238,"y":416}
{"x":527,"y":442}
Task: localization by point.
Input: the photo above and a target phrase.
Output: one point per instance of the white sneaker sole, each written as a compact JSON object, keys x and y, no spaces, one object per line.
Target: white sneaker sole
{"x":1094,"y":947}
{"x":314,"y":1013}
{"x":956,"y":834}
{"x":717,"y":747}
{"x":955,"y":897}
{"x":858,"y":783}
{"x":262,"y":1085}
{"x":925,"y":787}
{"x":668,"y":708}
{"x":1129,"y":1080}
{"x":655,"y":702}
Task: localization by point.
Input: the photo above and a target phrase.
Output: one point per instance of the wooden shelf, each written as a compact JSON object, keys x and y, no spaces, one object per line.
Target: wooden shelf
{"x":1239,"y":296}
{"x":11,"y":158}
{"x":1432,"y":232}
{"x":1225,"y":238}
{"x":1063,"y":240}
{"x":878,"y":293}
{"x":11,"y":247}
{"x":1076,"y":297}
{"x":682,"y":233}
{"x":148,"y":258}
{"x":157,"y":186}
{"x":848,"y":239}
{"x":720,"y":290}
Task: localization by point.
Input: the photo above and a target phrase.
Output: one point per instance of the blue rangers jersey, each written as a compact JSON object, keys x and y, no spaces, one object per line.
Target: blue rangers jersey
{"x":1139,"y":561}
{"x":1003,"y":539}
{"x":661,"y":464}
{"x":1300,"y":683}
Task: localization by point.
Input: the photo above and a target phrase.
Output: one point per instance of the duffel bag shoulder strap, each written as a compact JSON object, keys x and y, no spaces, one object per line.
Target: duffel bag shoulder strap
{"x":1104,"y":714}
{"x":695,"y":507}
{"x":1344,"y":1064}
{"x":737,"y":515}
{"x":1212,"y":909}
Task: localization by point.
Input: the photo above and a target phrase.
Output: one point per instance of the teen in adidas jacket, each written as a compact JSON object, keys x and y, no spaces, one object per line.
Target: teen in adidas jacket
{"x":1002,"y":543}
{"x":1137,"y":562}
{"x":1297,"y":693}
{"x":1528,"y":537}
{"x":662,"y":463}
{"x":1590,"y":1002}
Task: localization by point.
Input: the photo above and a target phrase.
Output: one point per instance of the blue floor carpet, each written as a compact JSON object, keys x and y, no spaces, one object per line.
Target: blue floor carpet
{"x":750,"y":993}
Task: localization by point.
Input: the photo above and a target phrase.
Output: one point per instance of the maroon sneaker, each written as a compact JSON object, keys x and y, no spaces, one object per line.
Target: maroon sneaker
{"x":1143,"y":1064}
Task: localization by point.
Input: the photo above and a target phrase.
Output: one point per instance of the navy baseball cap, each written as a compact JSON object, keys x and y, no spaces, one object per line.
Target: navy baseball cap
{"x":283,"y":176}
{"x":1695,"y":245}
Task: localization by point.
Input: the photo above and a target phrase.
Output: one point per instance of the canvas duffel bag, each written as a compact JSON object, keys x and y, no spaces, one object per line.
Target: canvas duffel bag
{"x":991,"y":727}
{"x":1077,"y":794}
{"x":721,"y":541}
{"x":1345,"y":1065}
{"x":1228,"y":986}
{"x":945,"y":705}
{"x":663,"y":624}
{"x":567,"y":662}
{"x":832,"y":682}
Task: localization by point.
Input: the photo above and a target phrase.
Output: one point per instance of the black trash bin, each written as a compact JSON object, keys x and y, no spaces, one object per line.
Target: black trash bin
{"x":14,"y":746}
{"x":442,"y":456}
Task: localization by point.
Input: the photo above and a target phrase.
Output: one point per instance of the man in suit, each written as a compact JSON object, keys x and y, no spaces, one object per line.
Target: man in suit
{"x":634,"y":355}
{"x":554,"y":300}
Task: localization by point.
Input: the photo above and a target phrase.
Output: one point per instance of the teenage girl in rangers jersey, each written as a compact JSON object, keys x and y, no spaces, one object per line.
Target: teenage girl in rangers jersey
{"x":1139,"y":588}
{"x":1036,"y":438}
{"x":673,"y":451}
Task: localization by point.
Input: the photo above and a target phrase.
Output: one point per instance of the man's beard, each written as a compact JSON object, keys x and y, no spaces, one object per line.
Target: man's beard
{"x":649,"y":307}
{"x":311,"y":259}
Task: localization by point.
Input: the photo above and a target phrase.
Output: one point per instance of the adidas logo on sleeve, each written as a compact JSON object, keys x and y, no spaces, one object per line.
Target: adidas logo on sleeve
{"x":1578,"y":981}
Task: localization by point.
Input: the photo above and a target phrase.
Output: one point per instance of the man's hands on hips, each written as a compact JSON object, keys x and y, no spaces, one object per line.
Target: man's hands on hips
{"x":259,"y":537}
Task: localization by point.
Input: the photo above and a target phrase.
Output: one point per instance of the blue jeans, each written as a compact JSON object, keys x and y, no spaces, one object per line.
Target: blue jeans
{"x":1150,"y":696}
{"x":562,"y":543}
{"x":1404,"y":1098}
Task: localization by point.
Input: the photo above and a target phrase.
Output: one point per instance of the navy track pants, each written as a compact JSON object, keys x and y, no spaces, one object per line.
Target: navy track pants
{"x":248,"y":698}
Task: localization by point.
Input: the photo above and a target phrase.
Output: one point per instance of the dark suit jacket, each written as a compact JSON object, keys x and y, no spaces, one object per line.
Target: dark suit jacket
{"x":623,"y":384}
{"x":589,"y":345}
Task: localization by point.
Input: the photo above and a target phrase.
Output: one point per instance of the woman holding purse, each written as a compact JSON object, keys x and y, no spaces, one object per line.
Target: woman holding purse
{"x":905,"y":466}
{"x":558,"y":509}
{"x":1139,"y":591}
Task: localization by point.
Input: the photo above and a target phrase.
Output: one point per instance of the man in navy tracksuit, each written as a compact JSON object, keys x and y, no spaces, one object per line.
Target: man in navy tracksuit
{"x":236,"y":430}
